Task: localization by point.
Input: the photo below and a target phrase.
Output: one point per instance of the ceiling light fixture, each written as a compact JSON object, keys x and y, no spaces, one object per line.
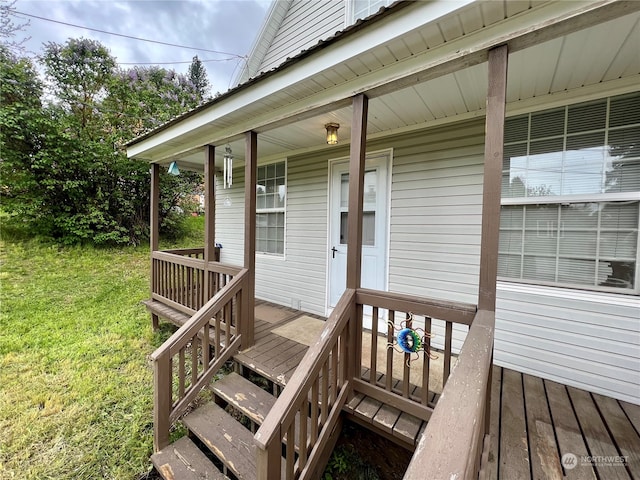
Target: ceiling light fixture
{"x":332,"y":133}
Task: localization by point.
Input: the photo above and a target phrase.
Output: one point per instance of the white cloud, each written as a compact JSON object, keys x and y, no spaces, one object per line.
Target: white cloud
{"x":222,"y":25}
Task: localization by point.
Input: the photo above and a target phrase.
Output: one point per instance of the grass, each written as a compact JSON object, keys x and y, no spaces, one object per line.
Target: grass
{"x":75,"y":380}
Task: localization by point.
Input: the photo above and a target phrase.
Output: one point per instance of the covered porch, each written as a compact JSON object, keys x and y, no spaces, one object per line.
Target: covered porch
{"x":449,"y":426}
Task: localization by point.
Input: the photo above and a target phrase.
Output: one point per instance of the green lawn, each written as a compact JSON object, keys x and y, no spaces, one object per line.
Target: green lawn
{"x":75,"y":380}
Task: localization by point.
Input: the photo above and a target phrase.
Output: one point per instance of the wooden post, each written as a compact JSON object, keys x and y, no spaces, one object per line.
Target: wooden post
{"x":209,"y":204}
{"x":154,"y":229}
{"x":155,"y":206}
{"x":493,"y":152}
{"x":250,"y":174}
{"x":356,"y":186}
{"x":354,"y":242}
{"x":209,"y":218}
{"x":161,"y":401}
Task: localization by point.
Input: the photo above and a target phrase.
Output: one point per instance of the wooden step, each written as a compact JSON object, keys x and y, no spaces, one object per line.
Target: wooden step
{"x":227,"y":439}
{"x":254,"y":402}
{"x":183,"y":460}
{"x":401,"y":427}
{"x":174,"y":316}
{"x":178,"y":318}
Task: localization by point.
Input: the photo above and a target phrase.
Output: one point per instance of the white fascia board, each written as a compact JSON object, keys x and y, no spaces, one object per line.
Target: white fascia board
{"x":387,"y":29}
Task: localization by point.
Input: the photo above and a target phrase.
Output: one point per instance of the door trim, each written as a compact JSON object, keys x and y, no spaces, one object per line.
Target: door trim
{"x":388,"y":153}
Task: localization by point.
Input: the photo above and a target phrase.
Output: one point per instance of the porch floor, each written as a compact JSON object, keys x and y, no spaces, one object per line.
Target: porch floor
{"x":534,"y":422}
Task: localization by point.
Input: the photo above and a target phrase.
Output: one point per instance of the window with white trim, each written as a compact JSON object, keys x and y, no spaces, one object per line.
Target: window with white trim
{"x":363,"y":8}
{"x":571,"y":196}
{"x":271,"y":195}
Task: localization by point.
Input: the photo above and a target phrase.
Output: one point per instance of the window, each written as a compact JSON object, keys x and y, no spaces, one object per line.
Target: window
{"x":271,"y":194}
{"x":571,"y":196}
{"x":363,"y":8}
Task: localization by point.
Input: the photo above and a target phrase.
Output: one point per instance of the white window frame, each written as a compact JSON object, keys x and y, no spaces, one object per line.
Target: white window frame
{"x":282,"y":210}
{"x":350,"y":10}
{"x":560,"y":200}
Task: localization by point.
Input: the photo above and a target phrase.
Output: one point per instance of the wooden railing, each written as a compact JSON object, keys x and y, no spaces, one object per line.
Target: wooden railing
{"x":184,"y":281}
{"x":309,"y":407}
{"x":402,"y":385}
{"x":187,"y":361}
{"x":307,"y":411}
{"x":451,"y":445}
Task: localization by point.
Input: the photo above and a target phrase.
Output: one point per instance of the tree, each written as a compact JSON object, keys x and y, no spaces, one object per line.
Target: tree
{"x":9,"y":29}
{"x":23,"y":127}
{"x":63,"y":166}
{"x":198,"y":77}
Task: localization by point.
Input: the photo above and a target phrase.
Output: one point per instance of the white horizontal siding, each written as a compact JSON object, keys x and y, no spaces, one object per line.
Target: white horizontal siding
{"x":436,"y":208}
{"x":585,"y":339}
{"x":306,"y":23}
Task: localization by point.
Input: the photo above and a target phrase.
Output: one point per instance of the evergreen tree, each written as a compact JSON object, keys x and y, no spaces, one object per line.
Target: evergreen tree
{"x":198,"y":77}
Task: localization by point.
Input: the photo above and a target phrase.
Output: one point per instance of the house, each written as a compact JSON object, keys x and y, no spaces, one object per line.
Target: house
{"x":496,"y":150}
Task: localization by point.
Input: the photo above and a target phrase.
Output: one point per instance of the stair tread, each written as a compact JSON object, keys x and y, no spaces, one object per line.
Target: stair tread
{"x":175,"y":316}
{"x":250,"y":399}
{"x":184,"y":460}
{"x":225,"y":437}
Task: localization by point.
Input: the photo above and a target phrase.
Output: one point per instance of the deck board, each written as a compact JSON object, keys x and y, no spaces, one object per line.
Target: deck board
{"x":514,"y":455}
{"x":557,"y":420}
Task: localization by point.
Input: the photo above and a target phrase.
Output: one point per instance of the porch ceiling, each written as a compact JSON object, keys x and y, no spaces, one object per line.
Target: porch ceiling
{"x":576,"y":65}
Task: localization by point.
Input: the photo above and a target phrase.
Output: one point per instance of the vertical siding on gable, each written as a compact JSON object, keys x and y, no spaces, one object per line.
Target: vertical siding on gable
{"x":306,"y":23}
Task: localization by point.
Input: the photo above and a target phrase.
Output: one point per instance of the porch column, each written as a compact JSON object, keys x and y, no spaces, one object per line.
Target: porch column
{"x":209,"y":204}
{"x":155,"y":206}
{"x":250,"y":174}
{"x":154,"y":228}
{"x":356,"y":186}
{"x":357,"y":158}
{"x":493,"y":152}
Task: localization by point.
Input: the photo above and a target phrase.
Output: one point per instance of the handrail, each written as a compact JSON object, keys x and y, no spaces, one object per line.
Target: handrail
{"x":323,"y":372}
{"x":186,"y":251}
{"x":452,"y":442}
{"x":457,"y":312}
{"x":214,"y":326}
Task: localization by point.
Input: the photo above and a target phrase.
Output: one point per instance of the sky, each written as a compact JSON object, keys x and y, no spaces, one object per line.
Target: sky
{"x":227,"y":26}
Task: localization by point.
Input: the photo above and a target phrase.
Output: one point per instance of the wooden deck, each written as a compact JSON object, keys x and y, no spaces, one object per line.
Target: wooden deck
{"x":544,"y":430}
{"x":534,"y":422}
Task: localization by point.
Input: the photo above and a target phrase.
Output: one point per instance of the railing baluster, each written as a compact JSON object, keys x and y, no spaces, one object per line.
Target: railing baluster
{"x":205,"y":346}
{"x":291,"y":451}
{"x":406,"y":369}
{"x":315,"y":413}
{"x":333,"y":388}
{"x":390,"y":335}
{"x":447,"y":353}
{"x":324,"y":392}
{"x":194,"y":360}
{"x":302,"y":442}
{"x":373,"y":366}
{"x":181,"y":374}
{"x":426,"y":362}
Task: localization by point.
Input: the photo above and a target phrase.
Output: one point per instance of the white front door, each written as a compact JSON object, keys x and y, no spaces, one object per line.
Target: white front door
{"x":374,"y":226}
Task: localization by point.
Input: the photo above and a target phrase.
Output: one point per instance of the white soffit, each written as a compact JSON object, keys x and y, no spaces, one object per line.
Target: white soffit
{"x":589,"y":56}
